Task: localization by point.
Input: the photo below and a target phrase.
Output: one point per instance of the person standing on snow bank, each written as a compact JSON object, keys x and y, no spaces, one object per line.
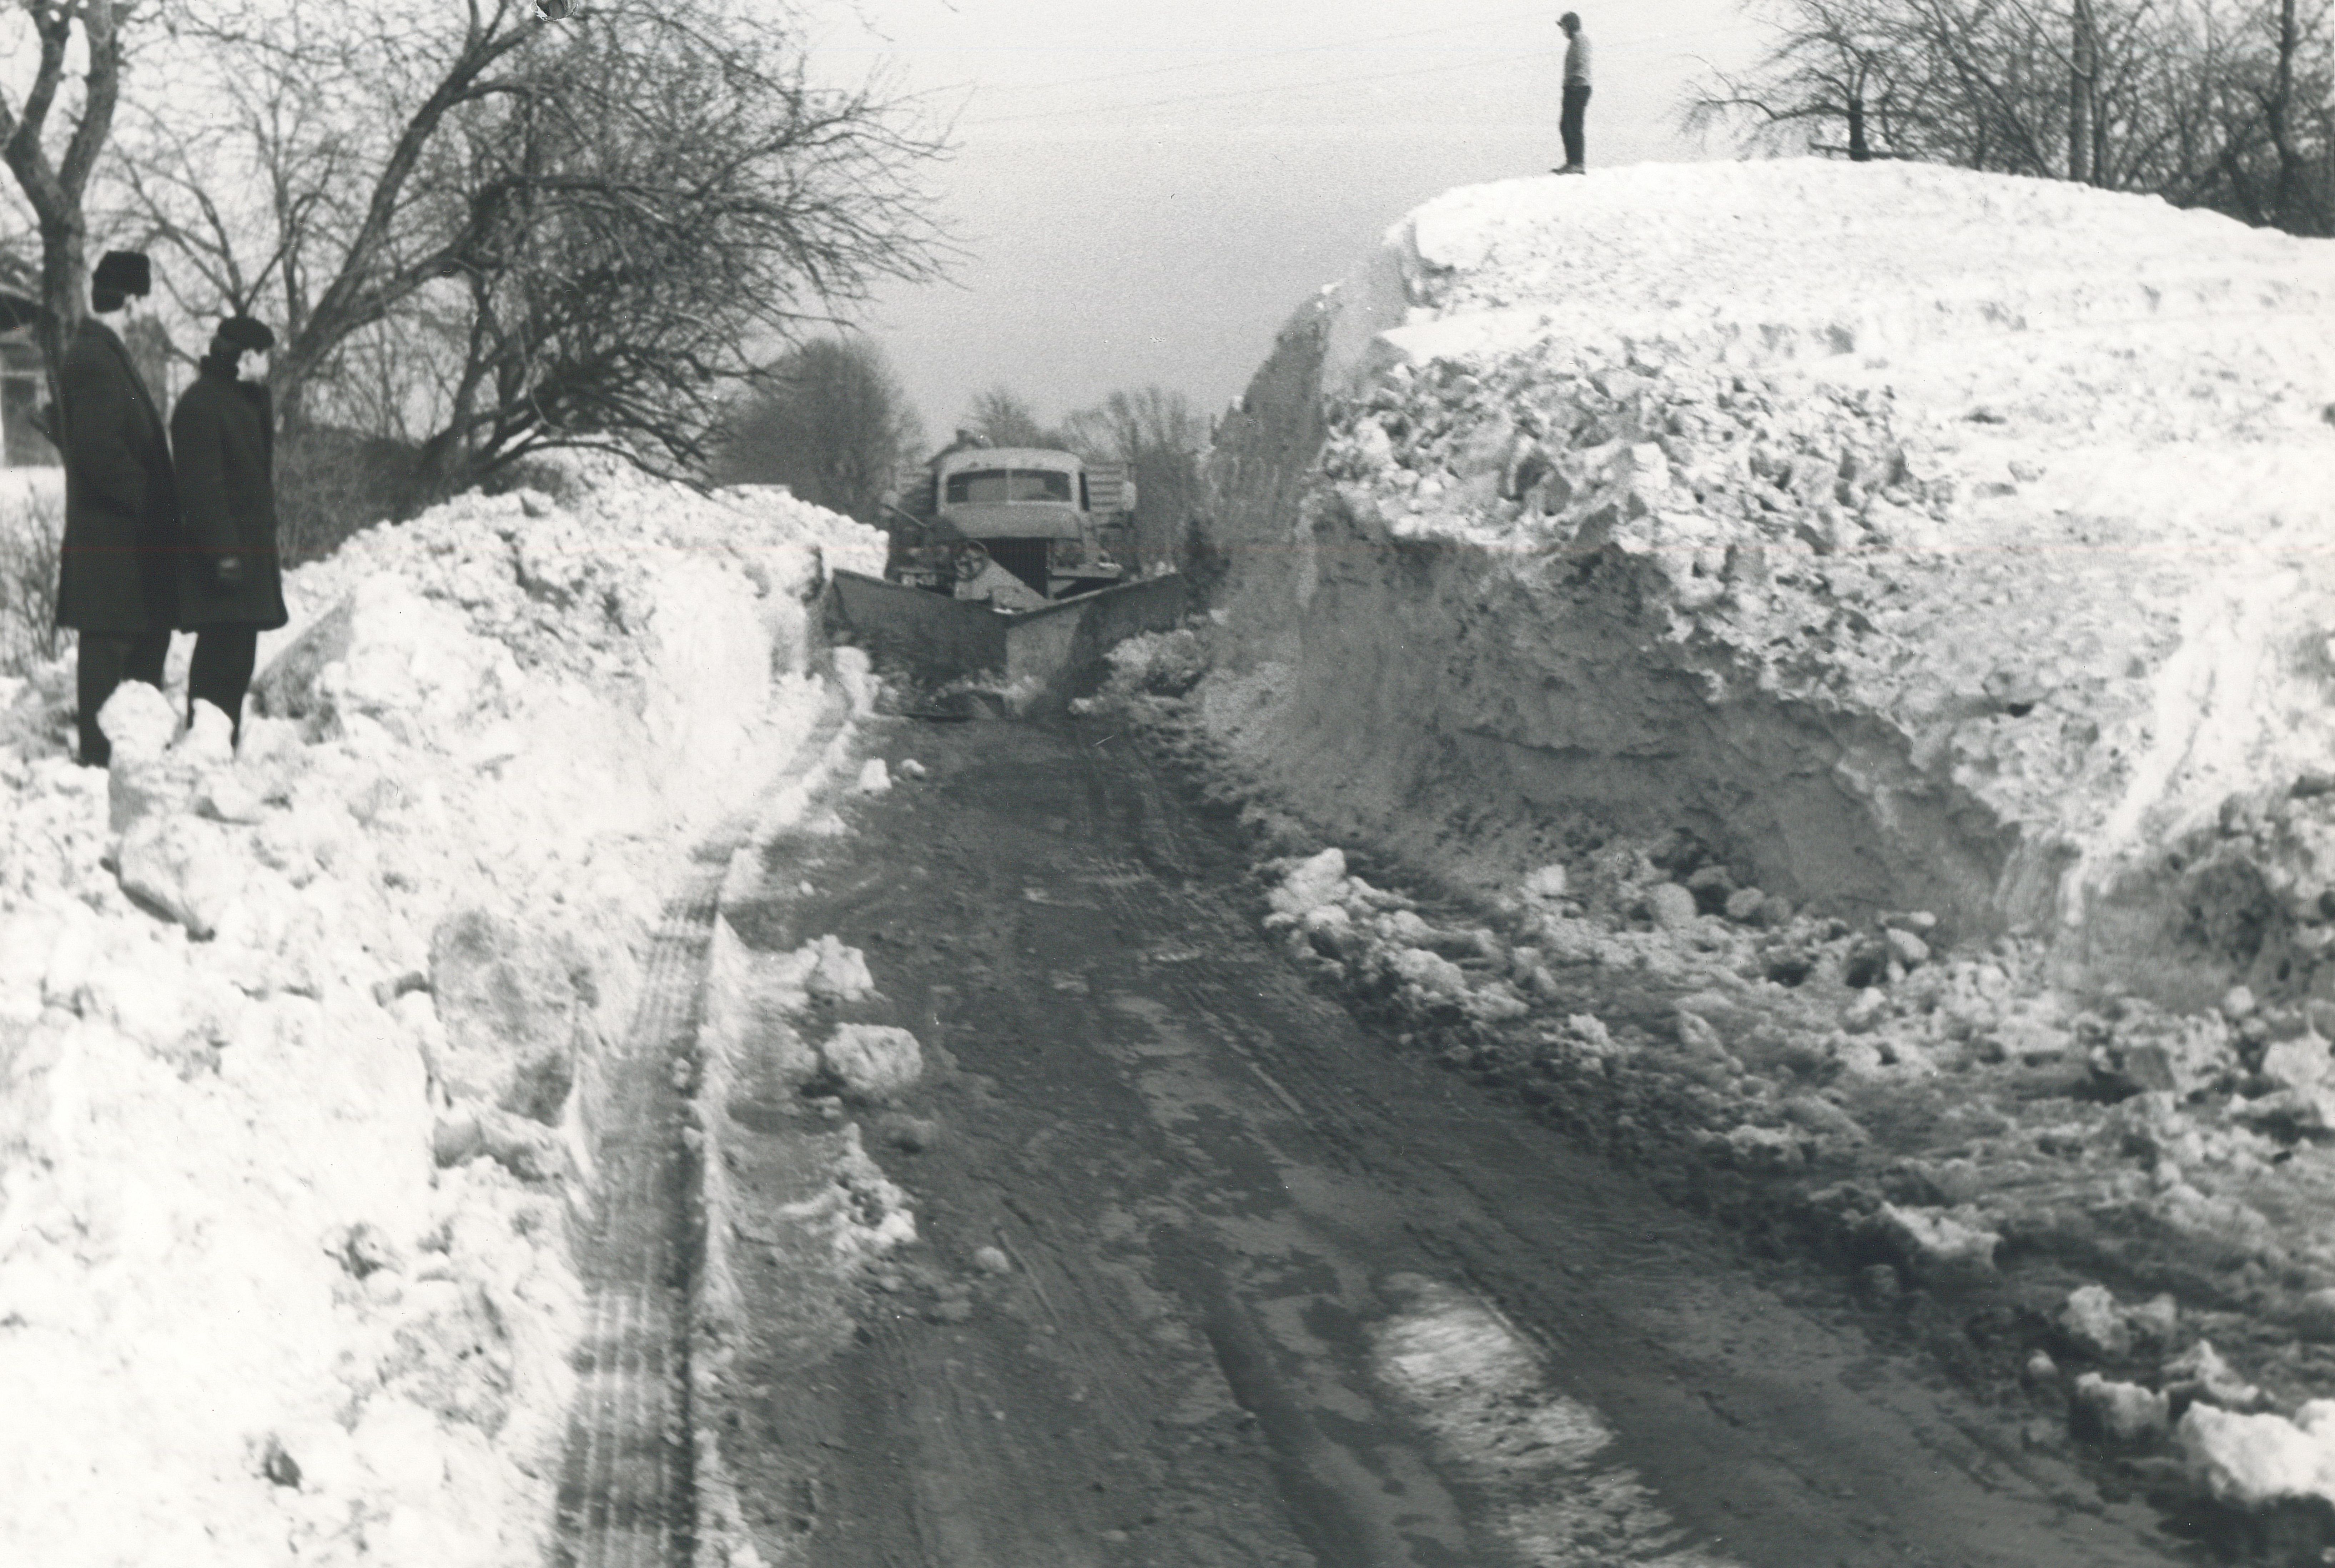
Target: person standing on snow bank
{"x":116,"y":586}
{"x":1576,"y":92}
{"x":230,"y":589}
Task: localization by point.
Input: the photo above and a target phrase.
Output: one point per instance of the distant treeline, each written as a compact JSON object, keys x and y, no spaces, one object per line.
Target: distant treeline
{"x":2226,"y":104}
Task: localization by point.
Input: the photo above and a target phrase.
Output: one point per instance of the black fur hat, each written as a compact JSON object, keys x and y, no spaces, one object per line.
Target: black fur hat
{"x":123,"y":271}
{"x":247,"y":334}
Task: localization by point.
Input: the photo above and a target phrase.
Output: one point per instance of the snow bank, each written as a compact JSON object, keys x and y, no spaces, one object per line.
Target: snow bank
{"x":1841,"y":659}
{"x":1915,"y":538}
{"x":299,"y":1045}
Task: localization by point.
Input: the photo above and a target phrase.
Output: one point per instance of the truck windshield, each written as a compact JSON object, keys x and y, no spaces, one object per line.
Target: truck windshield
{"x":978,"y":485}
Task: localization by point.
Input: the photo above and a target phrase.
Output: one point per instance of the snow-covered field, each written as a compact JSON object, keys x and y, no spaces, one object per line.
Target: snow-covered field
{"x":1882,"y":618}
{"x":299,"y":1046}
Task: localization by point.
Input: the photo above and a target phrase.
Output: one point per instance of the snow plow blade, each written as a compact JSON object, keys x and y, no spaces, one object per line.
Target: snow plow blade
{"x":1055,"y":652}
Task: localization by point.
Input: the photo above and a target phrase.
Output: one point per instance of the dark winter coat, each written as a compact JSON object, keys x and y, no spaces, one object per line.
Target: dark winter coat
{"x":223,"y":437}
{"x":117,"y":571}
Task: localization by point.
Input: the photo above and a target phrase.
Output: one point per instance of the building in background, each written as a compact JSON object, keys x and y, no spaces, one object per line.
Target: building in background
{"x":24,"y":388}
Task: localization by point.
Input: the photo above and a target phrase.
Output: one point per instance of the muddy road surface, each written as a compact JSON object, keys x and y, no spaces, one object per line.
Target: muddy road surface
{"x":1209,"y":1273}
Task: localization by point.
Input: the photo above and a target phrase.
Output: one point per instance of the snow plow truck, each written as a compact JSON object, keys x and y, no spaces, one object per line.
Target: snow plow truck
{"x":1012,"y":561}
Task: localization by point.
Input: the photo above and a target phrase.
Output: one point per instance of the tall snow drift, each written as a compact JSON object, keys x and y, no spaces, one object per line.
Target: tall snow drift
{"x":301,"y":1046}
{"x":1918,"y":539}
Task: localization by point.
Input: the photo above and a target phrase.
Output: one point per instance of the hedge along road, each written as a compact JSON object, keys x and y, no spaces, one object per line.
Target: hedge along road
{"x":1209,"y":1273}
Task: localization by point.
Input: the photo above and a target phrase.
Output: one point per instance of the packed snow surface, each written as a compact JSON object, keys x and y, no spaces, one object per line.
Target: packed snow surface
{"x":1918,"y":538}
{"x":299,"y":1042}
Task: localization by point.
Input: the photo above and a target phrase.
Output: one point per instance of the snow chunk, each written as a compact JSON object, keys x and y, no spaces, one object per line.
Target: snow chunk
{"x":512,"y":1002}
{"x":855,"y":674}
{"x":826,"y":968}
{"x":211,"y":739}
{"x":1547,"y":884}
{"x":1436,"y":976}
{"x":225,"y":798}
{"x":875,"y":778}
{"x":1330,"y":928}
{"x":2202,"y":1374}
{"x":2122,"y":1413}
{"x":2300,"y":1063}
{"x":2092,"y":1320}
{"x":2251,"y":1461}
{"x":1311,"y":883}
{"x":1941,"y":1249}
{"x":183,"y":867}
{"x":139,"y":721}
{"x":873,"y":1061}
{"x":1670,"y":907}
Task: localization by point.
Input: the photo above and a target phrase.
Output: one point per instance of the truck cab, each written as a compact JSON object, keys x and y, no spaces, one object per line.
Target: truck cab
{"x":1017,"y":524}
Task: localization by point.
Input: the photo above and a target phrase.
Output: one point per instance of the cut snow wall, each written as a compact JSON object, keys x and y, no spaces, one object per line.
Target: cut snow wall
{"x":349,"y":1287}
{"x":1259,"y":467}
{"x":1915,"y":538}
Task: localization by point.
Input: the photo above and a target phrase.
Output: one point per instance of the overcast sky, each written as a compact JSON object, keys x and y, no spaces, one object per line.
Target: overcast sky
{"x":1146,"y":191}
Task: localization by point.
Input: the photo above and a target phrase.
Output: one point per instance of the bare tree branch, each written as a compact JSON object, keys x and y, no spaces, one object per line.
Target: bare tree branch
{"x":584,"y":230}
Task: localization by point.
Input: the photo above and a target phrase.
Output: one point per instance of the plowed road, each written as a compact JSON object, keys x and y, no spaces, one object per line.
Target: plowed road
{"x":1273,"y":1292}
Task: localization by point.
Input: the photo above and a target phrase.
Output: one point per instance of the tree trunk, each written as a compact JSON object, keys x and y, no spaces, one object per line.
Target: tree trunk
{"x":2084,"y":66}
{"x":288,"y":387}
{"x":63,"y":242}
{"x":1859,"y":151}
{"x":54,"y":188}
{"x":2286,"y":194}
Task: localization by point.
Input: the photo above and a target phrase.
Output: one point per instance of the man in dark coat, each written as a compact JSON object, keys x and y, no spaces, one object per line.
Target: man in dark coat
{"x":115,"y":580}
{"x":230,"y":589}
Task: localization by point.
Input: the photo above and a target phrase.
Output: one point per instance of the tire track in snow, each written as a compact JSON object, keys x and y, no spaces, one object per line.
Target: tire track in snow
{"x":626,"y":1485}
{"x":629,"y":1479}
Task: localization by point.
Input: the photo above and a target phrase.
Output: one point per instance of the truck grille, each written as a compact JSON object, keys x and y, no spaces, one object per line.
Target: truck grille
{"x":1025,"y":558}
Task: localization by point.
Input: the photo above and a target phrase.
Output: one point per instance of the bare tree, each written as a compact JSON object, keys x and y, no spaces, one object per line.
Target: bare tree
{"x":828,"y":420}
{"x":2227,"y":103}
{"x":1155,"y":432}
{"x":2296,"y":101}
{"x":1835,"y":62}
{"x":55,"y":180}
{"x":1001,"y":417}
{"x":577,"y":227}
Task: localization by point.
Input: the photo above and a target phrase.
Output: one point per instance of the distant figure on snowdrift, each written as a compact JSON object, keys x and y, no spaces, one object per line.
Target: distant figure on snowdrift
{"x":1577,"y":93}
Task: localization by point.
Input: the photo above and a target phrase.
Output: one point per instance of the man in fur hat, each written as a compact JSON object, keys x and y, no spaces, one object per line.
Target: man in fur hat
{"x":230,"y":586}
{"x":116,"y":573}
